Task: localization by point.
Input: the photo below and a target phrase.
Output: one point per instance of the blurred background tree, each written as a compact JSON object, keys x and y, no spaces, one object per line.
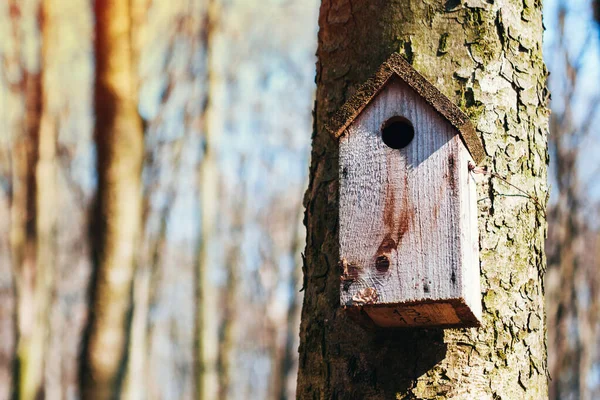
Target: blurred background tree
{"x":572,"y":53}
{"x":163,"y":247}
{"x":210,"y":244}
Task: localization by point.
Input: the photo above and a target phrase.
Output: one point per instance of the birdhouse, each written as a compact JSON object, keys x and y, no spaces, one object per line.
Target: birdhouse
{"x":408,"y":238}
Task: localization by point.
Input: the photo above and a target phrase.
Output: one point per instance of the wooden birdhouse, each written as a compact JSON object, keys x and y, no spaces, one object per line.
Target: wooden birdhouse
{"x":408,"y":238}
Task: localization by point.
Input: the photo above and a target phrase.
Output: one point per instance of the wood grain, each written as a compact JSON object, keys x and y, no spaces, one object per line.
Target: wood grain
{"x":415,"y":206}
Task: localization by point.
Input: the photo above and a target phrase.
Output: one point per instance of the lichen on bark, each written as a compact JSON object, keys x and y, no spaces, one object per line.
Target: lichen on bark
{"x":486,"y":56}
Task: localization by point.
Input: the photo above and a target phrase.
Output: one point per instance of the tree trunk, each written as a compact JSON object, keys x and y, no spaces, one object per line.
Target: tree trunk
{"x":66,"y":188}
{"x":46,"y":165}
{"x":261,"y":72}
{"x":170,"y":43}
{"x":20,"y":88}
{"x":119,"y":143}
{"x":487,"y":59}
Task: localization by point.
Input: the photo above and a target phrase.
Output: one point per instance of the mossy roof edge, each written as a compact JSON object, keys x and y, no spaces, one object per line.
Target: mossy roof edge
{"x":396,"y":65}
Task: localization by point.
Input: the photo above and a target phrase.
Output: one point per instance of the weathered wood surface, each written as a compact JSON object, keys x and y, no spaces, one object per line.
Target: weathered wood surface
{"x":413,"y":207}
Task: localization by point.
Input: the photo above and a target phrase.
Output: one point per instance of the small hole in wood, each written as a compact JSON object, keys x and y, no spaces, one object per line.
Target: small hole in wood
{"x":382,"y":263}
{"x":397,"y":132}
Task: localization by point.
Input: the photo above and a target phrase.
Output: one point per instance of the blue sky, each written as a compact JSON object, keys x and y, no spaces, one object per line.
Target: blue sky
{"x":581,"y":37}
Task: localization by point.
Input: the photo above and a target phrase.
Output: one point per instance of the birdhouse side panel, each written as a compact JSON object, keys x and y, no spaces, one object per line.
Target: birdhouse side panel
{"x":401,"y":235}
{"x":471,"y":287}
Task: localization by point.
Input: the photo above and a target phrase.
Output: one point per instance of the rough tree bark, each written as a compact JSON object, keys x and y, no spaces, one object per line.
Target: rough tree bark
{"x":486,"y":56}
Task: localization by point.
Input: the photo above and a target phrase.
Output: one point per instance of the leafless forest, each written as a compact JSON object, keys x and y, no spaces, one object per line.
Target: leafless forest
{"x":170,"y":154}
{"x":154,"y":158}
{"x":573,"y":276}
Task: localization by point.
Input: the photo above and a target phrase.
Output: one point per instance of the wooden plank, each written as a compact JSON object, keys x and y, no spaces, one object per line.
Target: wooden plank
{"x":427,"y":314}
{"x":471,"y":287}
{"x":409,"y":205}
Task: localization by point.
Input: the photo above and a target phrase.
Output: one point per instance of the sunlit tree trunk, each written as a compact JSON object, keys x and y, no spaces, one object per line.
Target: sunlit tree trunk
{"x":65,"y":187}
{"x":119,"y":143}
{"x":261,"y":86}
{"x":21,"y":97}
{"x":486,"y":56}
{"x":170,"y":42}
{"x":46,"y":158}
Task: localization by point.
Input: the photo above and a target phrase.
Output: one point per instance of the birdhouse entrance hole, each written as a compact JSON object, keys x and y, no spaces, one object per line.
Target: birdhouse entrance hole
{"x":397,"y":132}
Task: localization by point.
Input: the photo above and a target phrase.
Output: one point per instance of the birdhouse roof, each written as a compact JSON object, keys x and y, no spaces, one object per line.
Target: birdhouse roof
{"x":397,"y":66}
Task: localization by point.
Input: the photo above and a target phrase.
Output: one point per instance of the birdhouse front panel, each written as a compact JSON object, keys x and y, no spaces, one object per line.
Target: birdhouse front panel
{"x":408,"y":215}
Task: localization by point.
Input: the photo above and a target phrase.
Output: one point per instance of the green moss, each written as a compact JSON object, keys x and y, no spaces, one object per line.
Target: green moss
{"x":490,"y":299}
{"x":469,"y":104}
{"x":405,"y":48}
{"x":474,"y":22}
{"x":501,"y":354}
{"x":528,"y":12}
{"x":443,"y":45}
{"x":482,"y":34}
